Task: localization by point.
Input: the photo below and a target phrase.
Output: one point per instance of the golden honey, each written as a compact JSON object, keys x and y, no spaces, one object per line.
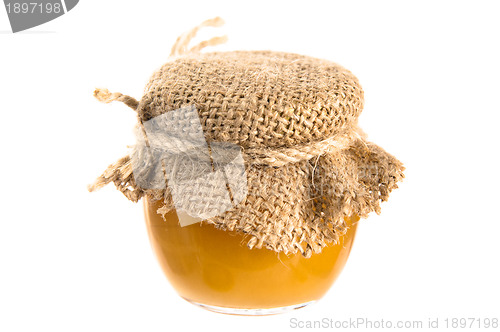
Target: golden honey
{"x":215,"y":268}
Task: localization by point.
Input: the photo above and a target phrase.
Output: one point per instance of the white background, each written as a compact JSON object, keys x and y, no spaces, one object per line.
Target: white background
{"x":75,"y":261}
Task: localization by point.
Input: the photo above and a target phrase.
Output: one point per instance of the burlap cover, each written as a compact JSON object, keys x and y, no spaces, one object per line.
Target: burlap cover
{"x":307,"y":163}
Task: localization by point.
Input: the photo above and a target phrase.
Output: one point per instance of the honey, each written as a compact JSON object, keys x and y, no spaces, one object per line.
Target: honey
{"x":215,"y":268}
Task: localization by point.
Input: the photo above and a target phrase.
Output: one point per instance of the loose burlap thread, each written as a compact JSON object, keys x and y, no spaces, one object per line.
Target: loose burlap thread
{"x":307,"y":163}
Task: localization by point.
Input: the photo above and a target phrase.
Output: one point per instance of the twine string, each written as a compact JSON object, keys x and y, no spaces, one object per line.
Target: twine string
{"x":181,"y":45}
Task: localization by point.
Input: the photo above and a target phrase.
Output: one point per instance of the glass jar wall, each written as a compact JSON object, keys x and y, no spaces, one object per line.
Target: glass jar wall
{"x":216,"y":270}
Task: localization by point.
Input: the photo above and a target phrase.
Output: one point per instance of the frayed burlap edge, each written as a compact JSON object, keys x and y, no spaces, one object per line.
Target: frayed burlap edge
{"x":302,"y":218}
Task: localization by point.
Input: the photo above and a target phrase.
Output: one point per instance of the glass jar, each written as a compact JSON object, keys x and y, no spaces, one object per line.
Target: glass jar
{"x":215,"y":269}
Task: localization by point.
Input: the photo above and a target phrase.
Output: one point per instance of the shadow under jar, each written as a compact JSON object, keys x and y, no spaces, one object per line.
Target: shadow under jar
{"x":214,"y":269}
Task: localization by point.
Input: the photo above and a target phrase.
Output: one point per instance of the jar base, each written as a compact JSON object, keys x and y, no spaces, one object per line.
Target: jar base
{"x":250,"y":312}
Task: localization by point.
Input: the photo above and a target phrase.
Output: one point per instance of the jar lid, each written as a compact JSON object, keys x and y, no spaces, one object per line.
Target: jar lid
{"x":257,"y":98}
{"x":274,"y":136}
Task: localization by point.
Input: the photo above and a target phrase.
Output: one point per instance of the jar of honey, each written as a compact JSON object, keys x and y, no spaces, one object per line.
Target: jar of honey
{"x":214,"y":269}
{"x":253,"y":173}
